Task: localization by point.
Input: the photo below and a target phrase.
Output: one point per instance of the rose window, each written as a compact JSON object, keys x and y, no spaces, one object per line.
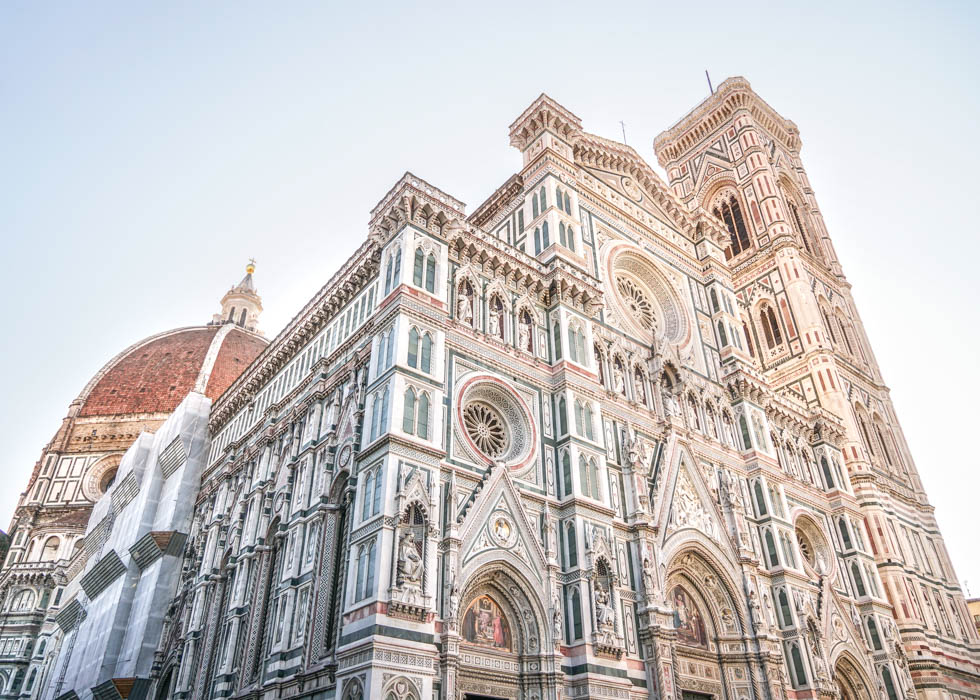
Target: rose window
{"x":805,"y":548}
{"x":636,"y":301}
{"x":486,"y":429}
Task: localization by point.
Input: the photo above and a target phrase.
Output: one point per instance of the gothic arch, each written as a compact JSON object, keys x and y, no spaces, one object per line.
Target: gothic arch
{"x":851,"y":679}
{"x":705,"y":567}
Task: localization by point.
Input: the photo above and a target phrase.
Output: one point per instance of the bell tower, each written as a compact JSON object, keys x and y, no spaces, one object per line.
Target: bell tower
{"x":241,"y":304}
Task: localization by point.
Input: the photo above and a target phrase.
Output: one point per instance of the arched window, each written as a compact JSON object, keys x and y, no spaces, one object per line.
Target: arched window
{"x":558,"y":202}
{"x":722,"y":336}
{"x":886,"y":676}
{"x":579,"y":419}
{"x":382,"y":343}
{"x":544,"y":199}
{"x":545,"y":241}
{"x":858,"y":580}
{"x":867,"y":437}
{"x":830,"y":327}
{"x":576,"y":627}
{"x":714,"y":301}
{"x":760,"y":499}
{"x":583,"y":476}
{"x":408,"y":417}
{"x":534,"y":205}
{"x":770,"y":326}
{"x":556,"y":335}
{"x":827,"y":476}
{"x":568,"y":204}
{"x":561,"y":233}
{"x":594,"y":478}
{"x":430,"y":274}
{"x":771,"y":554}
{"x":572,"y":545}
{"x":798,"y":224}
{"x":375,"y":416}
{"x":746,"y":438}
{"x":426,"y":364}
{"x":884,"y":445}
{"x":231,"y":315}
{"x":799,"y":672}
{"x":730,"y":212}
{"x":845,"y":534}
{"x":388,"y":270}
{"x":413,"y":348}
{"x":748,"y":339}
{"x":241,"y":322}
{"x":587,"y":419}
{"x":383,"y":424}
{"x":784,"y":610}
{"x":537,"y":241}
{"x":873,"y":632}
{"x":50,"y":550}
{"x":422,"y":422}
{"x":31,"y":679}
{"x":566,"y":473}
{"x":366,"y":511}
{"x":571,"y":238}
{"x":417,"y":277}
{"x":562,"y":416}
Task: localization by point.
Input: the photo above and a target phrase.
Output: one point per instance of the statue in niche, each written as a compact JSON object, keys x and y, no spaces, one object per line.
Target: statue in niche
{"x":464,"y":304}
{"x":493,"y":325}
{"x":524,"y":333}
{"x":604,"y":615}
{"x":641,"y":395}
{"x":409,"y":561}
{"x":649,"y":585}
{"x":556,"y":619}
{"x":619,"y":379}
{"x":453,"y":610}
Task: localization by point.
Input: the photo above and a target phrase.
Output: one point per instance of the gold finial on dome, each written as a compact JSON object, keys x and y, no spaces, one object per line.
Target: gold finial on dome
{"x":250,"y":268}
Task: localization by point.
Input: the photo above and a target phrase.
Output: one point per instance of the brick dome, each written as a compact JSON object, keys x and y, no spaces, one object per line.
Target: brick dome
{"x":155,"y":374}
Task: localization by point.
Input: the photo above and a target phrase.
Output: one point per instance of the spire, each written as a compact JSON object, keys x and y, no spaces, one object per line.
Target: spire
{"x":241,"y":304}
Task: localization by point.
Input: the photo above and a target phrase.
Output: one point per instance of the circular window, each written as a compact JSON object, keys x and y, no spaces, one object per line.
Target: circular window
{"x":637,"y":301}
{"x":813,"y":545}
{"x":642,"y":297}
{"x":494,"y":423}
{"x":486,"y":428}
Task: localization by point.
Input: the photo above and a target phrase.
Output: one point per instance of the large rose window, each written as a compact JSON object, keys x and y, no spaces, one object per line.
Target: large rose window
{"x":642,"y":297}
{"x":486,"y":428}
{"x":494,"y":422}
{"x":637,"y":301}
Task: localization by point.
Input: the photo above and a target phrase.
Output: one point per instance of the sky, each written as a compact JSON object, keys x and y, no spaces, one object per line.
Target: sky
{"x":147,"y":150}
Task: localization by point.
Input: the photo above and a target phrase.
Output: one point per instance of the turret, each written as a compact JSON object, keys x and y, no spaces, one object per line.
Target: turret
{"x":241,"y":304}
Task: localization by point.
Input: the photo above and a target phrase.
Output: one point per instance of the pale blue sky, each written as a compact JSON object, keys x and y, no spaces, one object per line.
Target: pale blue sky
{"x":147,"y":150}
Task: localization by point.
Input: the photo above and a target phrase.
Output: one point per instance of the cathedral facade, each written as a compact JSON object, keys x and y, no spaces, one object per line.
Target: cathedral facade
{"x":606,"y":436}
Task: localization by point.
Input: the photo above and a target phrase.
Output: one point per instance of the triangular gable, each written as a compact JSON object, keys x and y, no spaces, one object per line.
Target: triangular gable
{"x":497,"y":522}
{"x":615,"y":181}
{"x":689,"y":504}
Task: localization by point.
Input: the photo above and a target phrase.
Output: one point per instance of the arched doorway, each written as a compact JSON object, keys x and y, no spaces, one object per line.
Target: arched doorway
{"x":705,"y":616}
{"x":849,"y":680}
{"x":500,"y":638}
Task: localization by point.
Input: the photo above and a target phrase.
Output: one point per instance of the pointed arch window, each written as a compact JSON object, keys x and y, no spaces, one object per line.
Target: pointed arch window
{"x":561,"y":233}
{"x":430,"y":273}
{"x":771,"y":554}
{"x":408,"y":416}
{"x":572,"y":545}
{"x":760,"y":499}
{"x":873,"y":633}
{"x":545,"y":241}
{"x":231,"y":315}
{"x":827,"y":476}
{"x":397,"y":272}
{"x":799,"y":671}
{"x":722,"y":336}
{"x":566,"y":474}
{"x":571,"y":238}
{"x":714,"y":301}
{"x":417,"y":276}
{"x":534,"y":205}
{"x":576,"y":616}
{"x":587,"y":419}
{"x":558,"y":201}
{"x":884,"y":445}
{"x":748,"y":339}
{"x":858,"y":580}
{"x":422,"y":420}
{"x":388,"y":270}
{"x":537,"y":240}
{"x":579,"y":418}
{"x":426,"y":359}
{"x":770,"y":327}
{"x":730,"y":212}
{"x":413,"y":348}
{"x":845,"y":534}
{"x":583,"y":476}
{"x":556,"y":334}
{"x":784,"y":610}
{"x":568,"y":204}
{"x":544,"y":199}
{"x":562,"y":416}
